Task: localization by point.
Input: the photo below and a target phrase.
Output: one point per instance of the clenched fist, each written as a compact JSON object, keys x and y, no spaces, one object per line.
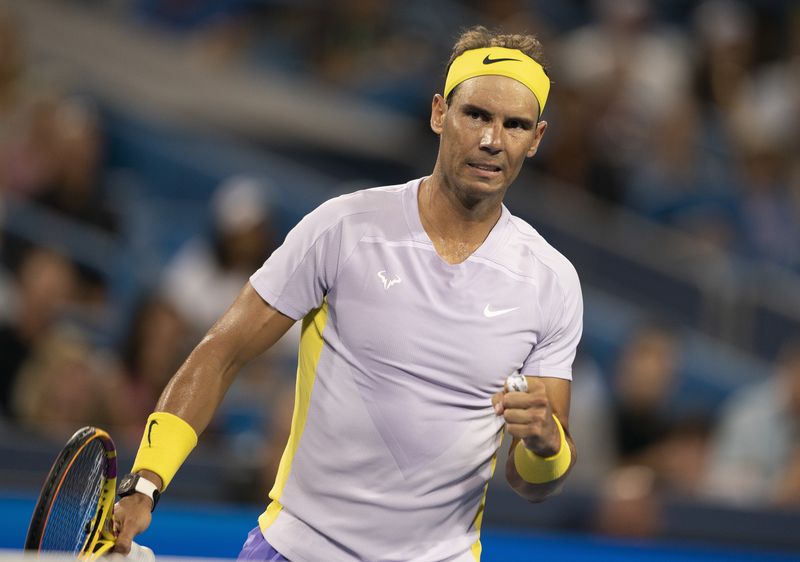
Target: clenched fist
{"x":529,"y":417}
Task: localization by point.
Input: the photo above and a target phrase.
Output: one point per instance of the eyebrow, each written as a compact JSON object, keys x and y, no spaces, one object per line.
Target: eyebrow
{"x":524,"y":121}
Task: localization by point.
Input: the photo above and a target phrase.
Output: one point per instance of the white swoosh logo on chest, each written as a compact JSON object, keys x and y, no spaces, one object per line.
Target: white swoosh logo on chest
{"x":489,"y":312}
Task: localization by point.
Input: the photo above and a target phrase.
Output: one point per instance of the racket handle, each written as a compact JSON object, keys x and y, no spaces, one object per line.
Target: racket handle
{"x":140,"y":553}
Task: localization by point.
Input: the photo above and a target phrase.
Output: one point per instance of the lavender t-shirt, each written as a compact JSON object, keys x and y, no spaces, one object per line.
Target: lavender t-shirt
{"x":394,"y":436}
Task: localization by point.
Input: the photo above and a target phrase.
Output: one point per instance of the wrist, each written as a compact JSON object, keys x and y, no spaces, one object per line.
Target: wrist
{"x":166,"y":442}
{"x":152,"y":477}
{"x":545,"y":447}
{"x":137,"y":485}
{"x":539,"y":469}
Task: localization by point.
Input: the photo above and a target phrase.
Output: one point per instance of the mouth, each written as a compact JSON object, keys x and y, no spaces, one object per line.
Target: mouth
{"x":488,"y":170}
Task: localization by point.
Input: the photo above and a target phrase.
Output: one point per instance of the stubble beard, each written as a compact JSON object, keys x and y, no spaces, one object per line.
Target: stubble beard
{"x":475,"y":200}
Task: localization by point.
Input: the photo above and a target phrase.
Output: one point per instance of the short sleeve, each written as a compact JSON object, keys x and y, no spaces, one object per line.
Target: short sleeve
{"x":553,"y":355}
{"x":298,"y":275}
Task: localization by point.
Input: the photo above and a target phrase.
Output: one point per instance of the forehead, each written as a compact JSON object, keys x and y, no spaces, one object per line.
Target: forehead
{"x":498,"y":94}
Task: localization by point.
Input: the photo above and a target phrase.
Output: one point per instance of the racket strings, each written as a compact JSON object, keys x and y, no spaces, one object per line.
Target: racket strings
{"x":76,"y":502}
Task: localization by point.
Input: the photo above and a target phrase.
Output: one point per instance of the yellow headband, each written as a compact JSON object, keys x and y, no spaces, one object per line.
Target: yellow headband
{"x":499,"y":61}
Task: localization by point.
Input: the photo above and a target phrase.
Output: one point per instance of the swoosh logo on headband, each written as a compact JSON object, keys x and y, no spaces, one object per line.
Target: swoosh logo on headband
{"x":487,"y":60}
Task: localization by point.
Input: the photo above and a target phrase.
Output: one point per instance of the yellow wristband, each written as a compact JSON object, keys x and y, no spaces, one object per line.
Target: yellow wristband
{"x":166,"y":443}
{"x":538,"y":470}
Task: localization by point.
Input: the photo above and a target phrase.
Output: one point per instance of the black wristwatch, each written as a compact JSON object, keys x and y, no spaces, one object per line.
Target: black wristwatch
{"x":136,"y":483}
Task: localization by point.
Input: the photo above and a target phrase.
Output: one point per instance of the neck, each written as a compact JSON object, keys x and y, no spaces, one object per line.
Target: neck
{"x":456,"y":222}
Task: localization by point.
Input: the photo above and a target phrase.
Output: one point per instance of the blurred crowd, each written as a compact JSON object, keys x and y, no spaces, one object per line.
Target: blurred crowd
{"x":688,"y":113}
{"x":72,"y":351}
{"x":744,"y":453}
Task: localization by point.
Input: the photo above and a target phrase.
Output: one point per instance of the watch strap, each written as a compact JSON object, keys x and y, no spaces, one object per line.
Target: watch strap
{"x":144,"y":486}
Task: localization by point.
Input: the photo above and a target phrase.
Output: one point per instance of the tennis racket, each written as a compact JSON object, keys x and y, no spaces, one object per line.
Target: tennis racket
{"x":77,"y":498}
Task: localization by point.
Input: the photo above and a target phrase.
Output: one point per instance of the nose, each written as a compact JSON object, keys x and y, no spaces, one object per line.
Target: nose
{"x":491,"y":139}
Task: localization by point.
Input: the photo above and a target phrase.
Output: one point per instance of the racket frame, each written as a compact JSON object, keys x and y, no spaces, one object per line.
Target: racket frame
{"x":100,"y":538}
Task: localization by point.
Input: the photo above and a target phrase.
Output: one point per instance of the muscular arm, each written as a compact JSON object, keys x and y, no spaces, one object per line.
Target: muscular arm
{"x":529,"y":417}
{"x":248,"y":328}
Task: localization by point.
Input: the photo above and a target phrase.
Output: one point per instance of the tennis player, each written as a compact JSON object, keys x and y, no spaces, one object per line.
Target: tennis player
{"x":417,"y":301}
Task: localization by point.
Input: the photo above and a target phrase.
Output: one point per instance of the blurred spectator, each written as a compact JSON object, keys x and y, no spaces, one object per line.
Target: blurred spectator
{"x":54,"y":159}
{"x":28,"y":118}
{"x":512,"y":16}
{"x":684,"y":183}
{"x":46,"y":284}
{"x":75,"y":187}
{"x":648,"y":430}
{"x":28,"y":153}
{"x":591,"y":424}
{"x":65,"y":384}
{"x":630,"y":505}
{"x":755,"y":456}
{"x":764,"y":123}
{"x":725,"y":37}
{"x":350,"y":40}
{"x":645,"y":378}
{"x":203,"y":279}
{"x":374,"y":48}
{"x":220,"y":29}
{"x":624,"y":68}
{"x":155,"y":346}
{"x":10,"y":69}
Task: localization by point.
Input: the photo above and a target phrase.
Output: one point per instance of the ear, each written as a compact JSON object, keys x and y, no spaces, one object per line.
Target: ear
{"x":537,"y":138}
{"x":438,"y":111}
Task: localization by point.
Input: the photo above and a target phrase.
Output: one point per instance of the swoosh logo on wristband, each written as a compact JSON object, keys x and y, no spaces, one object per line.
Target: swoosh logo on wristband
{"x":149,"y":431}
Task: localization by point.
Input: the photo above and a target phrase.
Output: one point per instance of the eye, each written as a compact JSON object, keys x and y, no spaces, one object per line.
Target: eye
{"x":472,"y":114}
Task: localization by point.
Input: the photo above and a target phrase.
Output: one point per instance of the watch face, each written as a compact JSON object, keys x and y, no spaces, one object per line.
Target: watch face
{"x":126,"y":485}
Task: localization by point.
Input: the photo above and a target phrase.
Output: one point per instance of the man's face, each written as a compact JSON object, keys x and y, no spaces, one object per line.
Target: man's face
{"x":486,"y":133}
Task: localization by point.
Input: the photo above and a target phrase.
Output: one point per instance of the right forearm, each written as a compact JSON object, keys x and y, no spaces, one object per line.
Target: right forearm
{"x":199,"y":385}
{"x":247,"y":329}
{"x":184,"y":410}
{"x":187,"y":404}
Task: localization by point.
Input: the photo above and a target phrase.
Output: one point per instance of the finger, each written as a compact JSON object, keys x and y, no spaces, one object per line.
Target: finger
{"x":530,"y":417}
{"x":115,"y":517}
{"x":123,"y":543}
{"x":123,"y":531}
{"x":524,"y":400}
{"x":497,"y":403}
{"x":518,"y":430}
